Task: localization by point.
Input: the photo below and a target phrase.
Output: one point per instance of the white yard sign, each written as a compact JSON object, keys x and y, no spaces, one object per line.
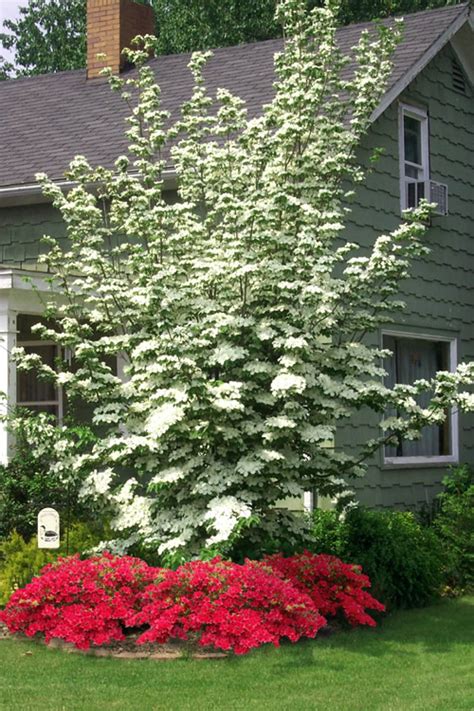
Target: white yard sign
{"x":48,"y":528}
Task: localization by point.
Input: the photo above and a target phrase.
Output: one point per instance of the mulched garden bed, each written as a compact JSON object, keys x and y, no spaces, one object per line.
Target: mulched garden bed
{"x":128,"y":649}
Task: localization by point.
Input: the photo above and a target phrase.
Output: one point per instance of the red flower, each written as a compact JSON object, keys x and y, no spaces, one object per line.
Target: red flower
{"x":226,"y":606}
{"x":218,"y":603}
{"x":80,"y":601}
{"x":333,"y":586}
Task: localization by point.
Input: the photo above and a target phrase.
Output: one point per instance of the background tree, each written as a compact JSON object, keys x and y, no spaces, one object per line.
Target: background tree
{"x":364,"y":10}
{"x":237,"y":314}
{"x":6,"y":69}
{"x":187,"y":25}
{"x":50,"y":34}
{"x":203,"y":24}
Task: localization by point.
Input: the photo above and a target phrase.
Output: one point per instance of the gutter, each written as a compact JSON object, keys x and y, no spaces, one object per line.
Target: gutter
{"x":24,"y":194}
{"x":32,"y":194}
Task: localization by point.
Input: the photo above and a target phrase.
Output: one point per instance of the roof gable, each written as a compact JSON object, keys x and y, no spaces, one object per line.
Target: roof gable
{"x":422,"y":41}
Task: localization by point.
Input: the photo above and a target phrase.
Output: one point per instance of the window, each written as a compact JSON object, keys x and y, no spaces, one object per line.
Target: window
{"x":33,"y":393}
{"x":415,"y":358}
{"x":414,"y":156}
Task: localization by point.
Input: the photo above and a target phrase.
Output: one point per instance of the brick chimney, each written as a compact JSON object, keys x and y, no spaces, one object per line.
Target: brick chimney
{"x":111,"y":25}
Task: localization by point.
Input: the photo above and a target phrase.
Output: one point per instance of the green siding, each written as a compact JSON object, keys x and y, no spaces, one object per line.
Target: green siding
{"x":440,"y":291}
{"x":21,"y":229}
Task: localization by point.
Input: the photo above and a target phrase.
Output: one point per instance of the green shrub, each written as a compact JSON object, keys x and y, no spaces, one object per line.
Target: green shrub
{"x":287,"y":534}
{"x":402,"y":558}
{"x":21,"y":560}
{"x":28,"y":482}
{"x":454,"y":524}
{"x":329,"y":532}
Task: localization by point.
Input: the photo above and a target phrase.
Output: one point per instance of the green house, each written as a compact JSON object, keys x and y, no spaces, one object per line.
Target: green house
{"x":425,"y":126}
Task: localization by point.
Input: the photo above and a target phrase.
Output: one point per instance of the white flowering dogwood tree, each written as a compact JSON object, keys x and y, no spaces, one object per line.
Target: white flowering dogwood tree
{"x":237,"y":314}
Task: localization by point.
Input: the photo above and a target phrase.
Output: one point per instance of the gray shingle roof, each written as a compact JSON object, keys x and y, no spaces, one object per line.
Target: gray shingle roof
{"x":46,"y":120}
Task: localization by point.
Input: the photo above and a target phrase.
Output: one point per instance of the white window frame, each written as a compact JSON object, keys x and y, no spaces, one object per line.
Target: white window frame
{"x":59,"y":401}
{"x":439,"y":459}
{"x":421,"y":115}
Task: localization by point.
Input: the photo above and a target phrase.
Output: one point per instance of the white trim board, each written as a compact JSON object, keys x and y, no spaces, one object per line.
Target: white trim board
{"x":23,"y":280}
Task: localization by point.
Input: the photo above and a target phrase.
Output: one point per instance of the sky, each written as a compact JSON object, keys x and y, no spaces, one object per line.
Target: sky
{"x":8,"y":11}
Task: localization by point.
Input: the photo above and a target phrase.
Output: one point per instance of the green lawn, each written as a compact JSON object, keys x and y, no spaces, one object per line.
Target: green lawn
{"x":420,"y":659}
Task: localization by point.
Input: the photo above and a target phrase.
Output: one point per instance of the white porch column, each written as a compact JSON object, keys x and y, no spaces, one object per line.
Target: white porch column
{"x":21,"y":292}
{"x":8,"y":334}
{"x":308,"y":501}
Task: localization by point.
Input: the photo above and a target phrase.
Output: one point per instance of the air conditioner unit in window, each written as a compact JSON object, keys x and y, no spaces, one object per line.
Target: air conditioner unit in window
{"x":439,"y":195}
{"x":432,"y":191}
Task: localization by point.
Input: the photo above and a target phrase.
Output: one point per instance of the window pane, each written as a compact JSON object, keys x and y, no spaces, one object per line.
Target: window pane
{"x":25,"y":322}
{"x":412,"y":131}
{"x":415,"y":191}
{"x":411,"y":195}
{"x":33,"y":393}
{"x":411,"y":171}
{"x":29,"y":387}
{"x":417,"y":359}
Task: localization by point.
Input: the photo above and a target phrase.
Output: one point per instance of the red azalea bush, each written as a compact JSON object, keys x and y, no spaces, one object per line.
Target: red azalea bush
{"x":80,"y":601}
{"x":215,"y":603}
{"x":226,"y":606}
{"x":333,"y":586}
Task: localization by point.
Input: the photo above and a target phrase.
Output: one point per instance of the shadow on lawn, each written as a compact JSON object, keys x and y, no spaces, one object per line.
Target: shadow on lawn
{"x":437,"y":629}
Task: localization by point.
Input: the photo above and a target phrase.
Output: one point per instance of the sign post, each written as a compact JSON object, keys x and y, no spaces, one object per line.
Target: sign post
{"x":48,"y":529}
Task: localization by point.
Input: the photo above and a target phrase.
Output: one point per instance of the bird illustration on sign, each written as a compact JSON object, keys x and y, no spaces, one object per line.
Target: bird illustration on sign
{"x":48,"y":528}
